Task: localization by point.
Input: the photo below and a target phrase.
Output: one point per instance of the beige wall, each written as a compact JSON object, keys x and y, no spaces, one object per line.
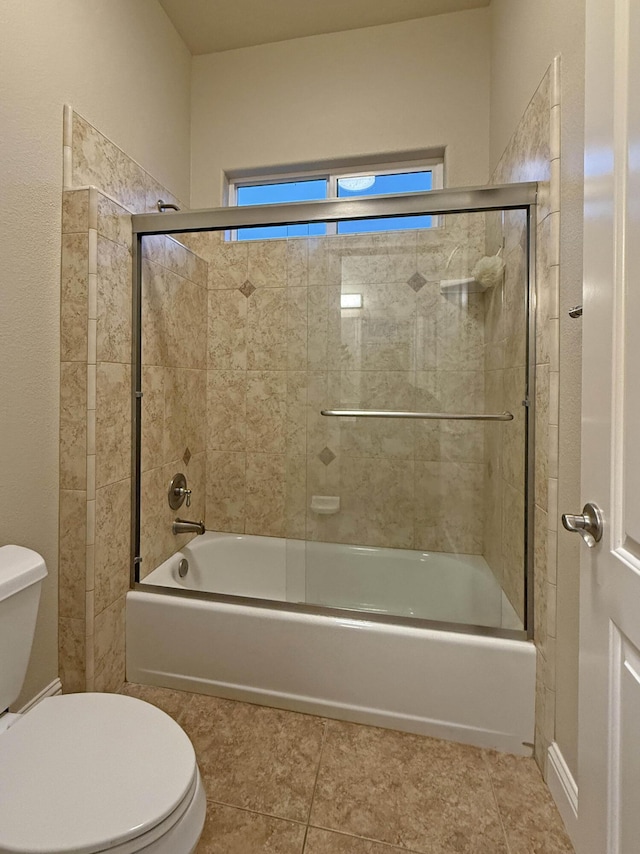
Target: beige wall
{"x":525,"y":37}
{"x":377,"y":91}
{"x":124,"y":66}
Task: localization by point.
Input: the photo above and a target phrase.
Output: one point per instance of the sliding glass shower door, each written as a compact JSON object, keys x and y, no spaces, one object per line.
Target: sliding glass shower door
{"x":415,"y":424}
{"x":354,"y":409}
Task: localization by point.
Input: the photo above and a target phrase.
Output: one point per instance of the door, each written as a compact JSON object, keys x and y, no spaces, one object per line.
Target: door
{"x":609,"y":747}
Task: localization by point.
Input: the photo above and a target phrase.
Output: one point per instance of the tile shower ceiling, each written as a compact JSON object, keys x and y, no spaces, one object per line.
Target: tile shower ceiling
{"x":210,"y":26}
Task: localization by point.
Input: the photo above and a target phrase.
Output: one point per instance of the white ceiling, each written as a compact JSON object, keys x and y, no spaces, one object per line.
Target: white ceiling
{"x":209,"y":26}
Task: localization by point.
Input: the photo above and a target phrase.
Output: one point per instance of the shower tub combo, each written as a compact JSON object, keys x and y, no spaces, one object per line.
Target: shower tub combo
{"x":426,"y":640}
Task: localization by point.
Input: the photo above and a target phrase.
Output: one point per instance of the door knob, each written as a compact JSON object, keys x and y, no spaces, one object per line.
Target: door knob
{"x":589,"y":525}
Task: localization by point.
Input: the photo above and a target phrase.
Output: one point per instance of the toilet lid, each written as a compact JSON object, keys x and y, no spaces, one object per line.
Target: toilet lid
{"x":82,"y":773}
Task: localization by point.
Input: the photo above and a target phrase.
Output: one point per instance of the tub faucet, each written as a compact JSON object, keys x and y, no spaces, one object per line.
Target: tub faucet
{"x":184,"y":526}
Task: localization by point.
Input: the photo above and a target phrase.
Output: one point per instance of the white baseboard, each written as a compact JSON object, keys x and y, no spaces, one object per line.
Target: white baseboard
{"x":50,"y":691}
{"x":564,"y":790}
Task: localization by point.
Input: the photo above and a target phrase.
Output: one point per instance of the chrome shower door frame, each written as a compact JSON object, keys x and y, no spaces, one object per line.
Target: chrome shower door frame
{"x":436,"y":202}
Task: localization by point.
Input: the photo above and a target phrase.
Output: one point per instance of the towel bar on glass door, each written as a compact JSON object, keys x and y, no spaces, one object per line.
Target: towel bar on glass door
{"x":427,"y":416}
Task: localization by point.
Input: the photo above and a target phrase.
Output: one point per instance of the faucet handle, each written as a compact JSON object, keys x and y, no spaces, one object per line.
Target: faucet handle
{"x":182,"y":491}
{"x":178,"y":491}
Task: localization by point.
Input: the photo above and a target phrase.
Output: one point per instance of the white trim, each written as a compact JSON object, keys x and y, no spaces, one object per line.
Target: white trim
{"x":50,"y":691}
{"x":564,"y":790}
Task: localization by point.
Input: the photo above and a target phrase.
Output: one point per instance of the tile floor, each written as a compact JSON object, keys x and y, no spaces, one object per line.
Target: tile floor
{"x":285,"y":783}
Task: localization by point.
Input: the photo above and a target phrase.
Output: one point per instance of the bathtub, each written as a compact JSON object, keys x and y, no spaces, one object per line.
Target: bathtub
{"x":382,"y":668}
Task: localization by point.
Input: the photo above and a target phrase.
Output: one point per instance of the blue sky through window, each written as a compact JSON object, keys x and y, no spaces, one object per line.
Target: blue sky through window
{"x":406,"y":182}
{"x":269,"y":194}
{"x":314,"y":189}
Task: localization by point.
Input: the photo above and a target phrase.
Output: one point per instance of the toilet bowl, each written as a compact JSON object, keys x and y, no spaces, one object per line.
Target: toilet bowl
{"x":88,"y":773}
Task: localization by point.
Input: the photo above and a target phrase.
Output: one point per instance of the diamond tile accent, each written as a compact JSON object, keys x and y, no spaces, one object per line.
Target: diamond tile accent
{"x":416,"y":282}
{"x":247,"y":288}
{"x":326,"y":456}
{"x":186,"y":456}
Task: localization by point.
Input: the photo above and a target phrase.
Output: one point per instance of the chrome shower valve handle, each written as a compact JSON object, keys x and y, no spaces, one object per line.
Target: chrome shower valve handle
{"x":178,"y":492}
{"x":182,"y":491}
{"x":589,"y":524}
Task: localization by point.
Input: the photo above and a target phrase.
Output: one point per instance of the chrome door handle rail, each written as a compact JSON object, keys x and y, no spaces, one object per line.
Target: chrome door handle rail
{"x":426,"y":416}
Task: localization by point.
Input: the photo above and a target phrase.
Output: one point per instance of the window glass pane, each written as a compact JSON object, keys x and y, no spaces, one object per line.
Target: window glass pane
{"x":392,"y":223}
{"x":291,"y":191}
{"x":269,"y":232}
{"x":312,"y":189}
{"x":403,"y":182}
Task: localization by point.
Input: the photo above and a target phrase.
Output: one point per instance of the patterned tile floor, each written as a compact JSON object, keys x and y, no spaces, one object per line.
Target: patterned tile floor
{"x":285,"y":783}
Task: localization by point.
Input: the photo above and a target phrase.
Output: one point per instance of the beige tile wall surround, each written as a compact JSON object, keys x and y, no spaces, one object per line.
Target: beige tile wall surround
{"x":103,"y":186}
{"x":92,"y":160}
{"x":280,"y":348}
{"x":174,"y":346}
{"x":533,"y":154}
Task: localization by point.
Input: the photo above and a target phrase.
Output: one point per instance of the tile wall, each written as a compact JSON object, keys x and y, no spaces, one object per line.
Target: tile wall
{"x":280,"y":348}
{"x":533,"y":154}
{"x":174,"y":382}
{"x":95,"y":412}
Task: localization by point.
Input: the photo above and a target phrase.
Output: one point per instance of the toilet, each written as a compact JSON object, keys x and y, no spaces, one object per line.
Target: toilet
{"x":85,"y":773}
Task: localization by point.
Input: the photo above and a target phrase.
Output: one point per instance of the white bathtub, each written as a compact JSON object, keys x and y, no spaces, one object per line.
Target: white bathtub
{"x":406,"y":583}
{"x":467,"y":687}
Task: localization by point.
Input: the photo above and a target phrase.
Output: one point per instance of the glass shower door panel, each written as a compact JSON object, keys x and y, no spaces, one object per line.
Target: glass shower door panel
{"x":397,"y":507}
{"x":174,"y":387}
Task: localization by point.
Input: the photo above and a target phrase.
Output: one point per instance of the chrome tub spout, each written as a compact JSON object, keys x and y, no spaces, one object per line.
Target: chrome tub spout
{"x":184,"y":526}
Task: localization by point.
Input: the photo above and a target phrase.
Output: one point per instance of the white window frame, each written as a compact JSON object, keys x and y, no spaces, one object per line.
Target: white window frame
{"x":332,"y":175}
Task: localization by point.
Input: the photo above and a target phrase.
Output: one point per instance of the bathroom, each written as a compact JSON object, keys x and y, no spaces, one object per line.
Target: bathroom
{"x":194,"y":129}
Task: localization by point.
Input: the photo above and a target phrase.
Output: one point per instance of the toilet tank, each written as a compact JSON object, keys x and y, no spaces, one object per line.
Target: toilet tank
{"x":21,"y":574}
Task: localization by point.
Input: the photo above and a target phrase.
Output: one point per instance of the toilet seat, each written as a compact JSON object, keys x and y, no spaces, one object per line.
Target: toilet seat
{"x":88,"y":773}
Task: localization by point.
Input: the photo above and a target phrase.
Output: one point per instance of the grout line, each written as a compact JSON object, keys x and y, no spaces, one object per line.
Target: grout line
{"x":379,"y":842}
{"x":315,"y":782}
{"x":255,"y":812}
{"x":304,"y":841}
{"x":495,"y":800}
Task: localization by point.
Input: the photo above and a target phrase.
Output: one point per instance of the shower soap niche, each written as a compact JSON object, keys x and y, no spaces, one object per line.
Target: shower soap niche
{"x":325,"y":505}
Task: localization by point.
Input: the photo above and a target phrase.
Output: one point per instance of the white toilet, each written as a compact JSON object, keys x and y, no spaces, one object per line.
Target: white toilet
{"x":85,"y":773}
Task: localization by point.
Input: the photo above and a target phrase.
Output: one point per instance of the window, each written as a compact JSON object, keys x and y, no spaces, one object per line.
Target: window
{"x":312,"y":186}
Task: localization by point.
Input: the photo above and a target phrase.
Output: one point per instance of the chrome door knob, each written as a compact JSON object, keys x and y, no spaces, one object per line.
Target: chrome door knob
{"x":589,"y":525}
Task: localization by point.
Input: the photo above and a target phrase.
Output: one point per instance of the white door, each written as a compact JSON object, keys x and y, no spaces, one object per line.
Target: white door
{"x":609,"y":740}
